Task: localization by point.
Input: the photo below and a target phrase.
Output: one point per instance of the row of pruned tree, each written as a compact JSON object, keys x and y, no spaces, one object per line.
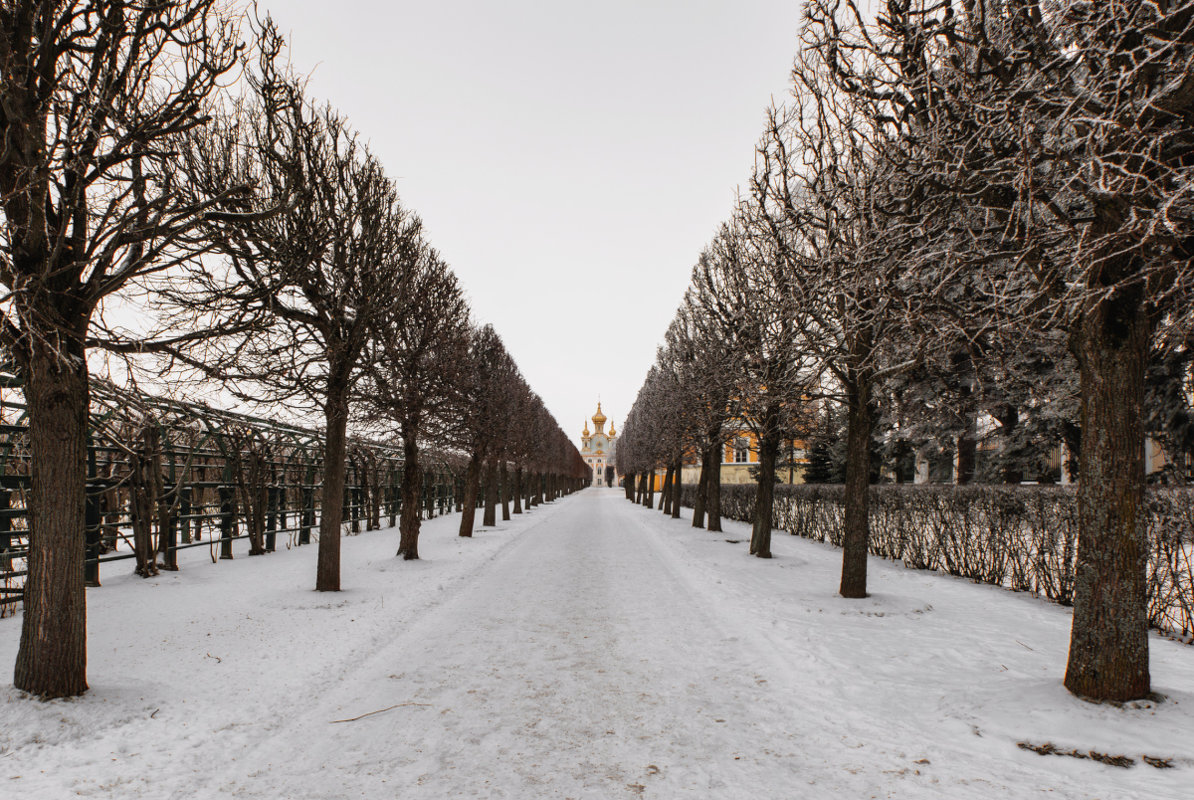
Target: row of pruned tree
{"x":152,"y":158}
{"x":968,"y":207}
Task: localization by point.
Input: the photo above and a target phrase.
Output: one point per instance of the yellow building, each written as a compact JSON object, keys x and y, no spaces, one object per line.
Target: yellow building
{"x":597,"y":448}
{"x":741,"y":453}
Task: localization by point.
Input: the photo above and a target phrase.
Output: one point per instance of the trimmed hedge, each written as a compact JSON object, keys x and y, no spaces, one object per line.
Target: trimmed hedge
{"x":1020,"y":537}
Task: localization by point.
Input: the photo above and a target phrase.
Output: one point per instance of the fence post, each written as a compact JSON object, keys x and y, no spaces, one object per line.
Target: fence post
{"x":168,"y":536}
{"x":271,"y":520}
{"x":283,"y":505}
{"x":91,"y":521}
{"x":5,"y":529}
{"x":360,"y":498}
{"x":392,"y":506}
{"x":346,"y":505}
{"x":184,"y":515}
{"x":308,"y":493}
{"x":227,"y":514}
{"x":375,"y":494}
{"x":428,"y":495}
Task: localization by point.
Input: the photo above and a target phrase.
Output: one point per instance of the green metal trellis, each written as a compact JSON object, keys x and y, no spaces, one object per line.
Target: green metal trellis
{"x":165,"y":475}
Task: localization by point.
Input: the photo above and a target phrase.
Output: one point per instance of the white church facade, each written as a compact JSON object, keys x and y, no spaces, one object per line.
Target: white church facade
{"x":597,"y":448}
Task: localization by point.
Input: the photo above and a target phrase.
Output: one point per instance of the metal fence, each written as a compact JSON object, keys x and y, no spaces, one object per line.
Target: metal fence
{"x":164,"y":476}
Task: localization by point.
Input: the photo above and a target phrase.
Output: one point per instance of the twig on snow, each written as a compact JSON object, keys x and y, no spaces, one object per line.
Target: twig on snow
{"x":379,"y":711}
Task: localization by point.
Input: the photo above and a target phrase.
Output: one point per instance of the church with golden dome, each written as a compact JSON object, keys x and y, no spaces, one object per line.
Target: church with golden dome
{"x":597,"y":448}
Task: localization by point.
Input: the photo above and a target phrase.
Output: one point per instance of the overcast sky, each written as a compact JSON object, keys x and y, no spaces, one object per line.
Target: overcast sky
{"x":569,"y":159}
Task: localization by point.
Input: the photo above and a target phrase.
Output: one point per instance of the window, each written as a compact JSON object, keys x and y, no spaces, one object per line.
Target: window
{"x":741,"y":451}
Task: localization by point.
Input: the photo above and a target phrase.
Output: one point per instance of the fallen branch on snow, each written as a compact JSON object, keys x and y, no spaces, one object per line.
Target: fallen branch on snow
{"x":380,"y":710}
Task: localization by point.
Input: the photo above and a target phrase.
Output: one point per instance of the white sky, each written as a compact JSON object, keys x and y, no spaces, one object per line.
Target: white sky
{"x":569,"y":159}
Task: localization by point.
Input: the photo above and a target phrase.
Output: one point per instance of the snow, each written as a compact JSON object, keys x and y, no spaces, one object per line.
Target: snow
{"x":588,"y":649}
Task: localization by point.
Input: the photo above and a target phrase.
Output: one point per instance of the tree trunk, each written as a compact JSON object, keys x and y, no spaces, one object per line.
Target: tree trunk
{"x":650,"y":501}
{"x":665,"y":497}
{"x":698,"y":506}
{"x":257,"y":499}
{"x":505,"y":487}
{"x":491,"y":494}
{"x":229,"y":511}
{"x":140,"y":488}
{"x":162,"y":511}
{"x":1009,"y":420}
{"x":327,"y":576}
{"x":376,"y":505}
{"x":52,"y":659}
{"x":677,"y":487}
{"x":430,"y":494}
{"x":1108,"y":657}
{"x":760,"y":540}
{"x":860,"y":423}
{"x":713,"y":492}
{"x":967,"y":451}
{"x":517,"y":492}
{"x":628,"y":485}
{"x":472,"y":478}
{"x":412,"y":493}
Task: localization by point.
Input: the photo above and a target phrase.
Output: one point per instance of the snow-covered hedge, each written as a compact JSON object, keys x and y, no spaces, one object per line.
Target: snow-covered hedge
{"x":1020,"y":537}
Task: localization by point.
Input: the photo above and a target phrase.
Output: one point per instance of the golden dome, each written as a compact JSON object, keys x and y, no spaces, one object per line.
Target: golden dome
{"x":585,"y":433}
{"x":612,"y":432}
{"x":599,"y":418}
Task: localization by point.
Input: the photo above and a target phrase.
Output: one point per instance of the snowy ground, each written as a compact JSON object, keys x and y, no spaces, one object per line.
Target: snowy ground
{"x":590,"y":649}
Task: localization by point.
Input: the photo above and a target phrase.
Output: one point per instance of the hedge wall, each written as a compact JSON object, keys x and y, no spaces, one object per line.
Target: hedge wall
{"x":1021,"y":537}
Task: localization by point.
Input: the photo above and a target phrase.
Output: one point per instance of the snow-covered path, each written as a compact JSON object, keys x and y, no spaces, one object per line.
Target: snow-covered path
{"x":588,"y":649}
{"x":580,"y":663}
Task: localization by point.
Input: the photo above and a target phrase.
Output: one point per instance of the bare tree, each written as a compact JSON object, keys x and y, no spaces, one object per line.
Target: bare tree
{"x":93,"y":98}
{"x":482,"y":415}
{"x":414,"y":362}
{"x":666,"y":397}
{"x":745,"y":291}
{"x":531,"y":417}
{"x":708,"y":375}
{"x":321,"y":247}
{"x":556,"y":466}
{"x":1066,"y":126}
{"x":643,"y":447}
{"x":819,"y":193}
